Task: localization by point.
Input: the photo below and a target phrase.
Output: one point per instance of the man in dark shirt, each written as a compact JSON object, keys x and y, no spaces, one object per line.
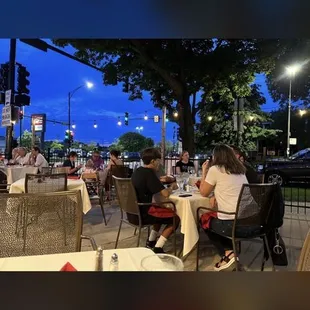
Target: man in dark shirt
{"x":250,"y":174}
{"x":70,"y":162}
{"x":147,"y":184}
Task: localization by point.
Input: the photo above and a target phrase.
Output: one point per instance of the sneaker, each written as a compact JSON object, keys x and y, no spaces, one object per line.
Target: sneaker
{"x":158,"y":251}
{"x":150,"y":244}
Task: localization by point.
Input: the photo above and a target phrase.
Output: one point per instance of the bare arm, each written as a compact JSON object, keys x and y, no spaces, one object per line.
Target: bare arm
{"x":178,"y":170}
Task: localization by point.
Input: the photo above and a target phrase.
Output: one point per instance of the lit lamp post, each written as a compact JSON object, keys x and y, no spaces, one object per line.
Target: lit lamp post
{"x":139,"y":129}
{"x":70,"y":94}
{"x":291,"y":72}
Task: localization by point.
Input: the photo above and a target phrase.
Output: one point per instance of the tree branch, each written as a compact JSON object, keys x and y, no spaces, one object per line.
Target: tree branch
{"x":174,"y":83}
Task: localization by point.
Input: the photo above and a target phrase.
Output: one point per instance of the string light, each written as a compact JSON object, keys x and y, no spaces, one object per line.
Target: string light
{"x":175,"y":114}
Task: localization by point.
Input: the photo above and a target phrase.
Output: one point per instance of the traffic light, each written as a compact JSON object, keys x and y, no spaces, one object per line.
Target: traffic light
{"x":20,"y":114}
{"x":22,"y":100}
{"x":67,"y":135}
{"x":22,"y":80}
{"x":71,"y":136}
{"x":4,"y":77}
{"x":126,"y":118}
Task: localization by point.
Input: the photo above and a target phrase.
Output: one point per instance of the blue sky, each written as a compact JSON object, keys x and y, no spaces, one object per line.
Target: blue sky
{"x":52,"y":76}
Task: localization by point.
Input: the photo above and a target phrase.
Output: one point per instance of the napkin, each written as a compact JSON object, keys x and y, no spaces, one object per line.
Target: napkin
{"x":73,"y":177}
{"x":68,"y":267}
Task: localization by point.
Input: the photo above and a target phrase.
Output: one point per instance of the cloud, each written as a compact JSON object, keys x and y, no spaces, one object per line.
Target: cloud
{"x":55,"y":108}
{"x":105,"y":113}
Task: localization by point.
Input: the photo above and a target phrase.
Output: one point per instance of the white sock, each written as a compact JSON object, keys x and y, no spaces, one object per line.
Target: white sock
{"x":153,"y":235}
{"x":161,"y":242}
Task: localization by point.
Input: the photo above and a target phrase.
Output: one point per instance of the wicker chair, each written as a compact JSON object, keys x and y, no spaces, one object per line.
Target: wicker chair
{"x":129,"y":204}
{"x":57,"y":170}
{"x":46,"y":170}
{"x":253,"y":209}
{"x":118,"y":171}
{"x":36,"y":183}
{"x":57,"y":229}
{"x":95,"y":190}
{"x":304,"y":258}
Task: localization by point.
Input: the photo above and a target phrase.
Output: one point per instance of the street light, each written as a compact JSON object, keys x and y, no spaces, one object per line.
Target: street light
{"x":210,"y":118}
{"x":145,"y":116}
{"x":73,"y":126}
{"x":88,"y":85}
{"x":291,"y":72}
{"x":302,"y":112}
{"x":95,"y":124}
{"x":119,"y":123}
{"x":139,"y":129}
{"x":176,"y":114}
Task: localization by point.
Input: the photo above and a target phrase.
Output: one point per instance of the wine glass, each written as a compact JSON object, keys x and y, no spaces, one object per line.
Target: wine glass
{"x":180,"y":182}
{"x":191,"y":170}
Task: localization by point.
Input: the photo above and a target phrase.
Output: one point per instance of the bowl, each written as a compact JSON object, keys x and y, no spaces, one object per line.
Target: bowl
{"x":161,"y":262}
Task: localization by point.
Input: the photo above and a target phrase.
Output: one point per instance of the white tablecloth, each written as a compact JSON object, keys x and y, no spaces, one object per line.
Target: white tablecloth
{"x":16,"y":173}
{"x":73,"y":185}
{"x":129,"y":260}
{"x":186,"y":210}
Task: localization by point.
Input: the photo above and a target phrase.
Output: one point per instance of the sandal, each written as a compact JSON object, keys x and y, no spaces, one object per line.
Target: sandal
{"x":229,"y":261}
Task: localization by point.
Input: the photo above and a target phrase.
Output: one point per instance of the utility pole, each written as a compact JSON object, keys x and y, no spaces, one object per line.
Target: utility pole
{"x":9,"y":129}
{"x":163,"y":135}
{"x":69,"y":120}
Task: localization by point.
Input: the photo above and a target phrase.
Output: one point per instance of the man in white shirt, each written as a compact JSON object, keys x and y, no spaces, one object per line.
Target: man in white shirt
{"x":23,"y":157}
{"x":38,"y":158}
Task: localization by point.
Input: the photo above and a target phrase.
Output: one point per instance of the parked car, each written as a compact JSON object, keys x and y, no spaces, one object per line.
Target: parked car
{"x":296,"y":168}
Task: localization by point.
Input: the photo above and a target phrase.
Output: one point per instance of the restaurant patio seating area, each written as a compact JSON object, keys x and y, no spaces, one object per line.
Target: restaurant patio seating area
{"x":293,"y":231}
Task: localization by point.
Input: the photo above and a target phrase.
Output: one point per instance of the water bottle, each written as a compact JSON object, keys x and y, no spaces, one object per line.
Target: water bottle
{"x":99,"y":259}
{"x":114,"y":262}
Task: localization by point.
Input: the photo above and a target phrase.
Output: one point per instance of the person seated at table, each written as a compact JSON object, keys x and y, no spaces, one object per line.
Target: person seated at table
{"x":184,"y":163}
{"x":15,"y":156}
{"x":114,"y":159}
{"x":250,"y":173}
{"x":37,"y":159}
{"x":24,"y":157}
{"x":70,"y":163}
{"x":225,"y":177}
{"x":95,"y":163}
{"x":147,"y":184}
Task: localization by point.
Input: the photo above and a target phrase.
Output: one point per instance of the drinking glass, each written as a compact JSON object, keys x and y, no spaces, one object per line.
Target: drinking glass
{"x":180,"y":182}
{"x":161,"y":262}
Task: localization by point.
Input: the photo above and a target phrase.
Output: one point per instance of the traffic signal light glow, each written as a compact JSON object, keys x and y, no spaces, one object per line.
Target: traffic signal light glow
{"x":126,"y":118}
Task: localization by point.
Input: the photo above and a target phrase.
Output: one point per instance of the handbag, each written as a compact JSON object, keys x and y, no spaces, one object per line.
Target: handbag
{"x":277,"y":248}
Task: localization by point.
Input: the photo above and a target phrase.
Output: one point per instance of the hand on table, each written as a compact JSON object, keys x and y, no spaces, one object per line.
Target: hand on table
{"x":174,"y":186}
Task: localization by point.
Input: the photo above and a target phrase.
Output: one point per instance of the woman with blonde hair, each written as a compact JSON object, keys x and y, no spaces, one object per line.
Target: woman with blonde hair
{"x":225,"y":176}
{"x":184,"y":163}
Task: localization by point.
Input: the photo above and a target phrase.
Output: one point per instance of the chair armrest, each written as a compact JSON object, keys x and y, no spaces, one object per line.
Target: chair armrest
{"x":215,"y":210}
{"x":92,"y":241}
{"x":159,"y":204}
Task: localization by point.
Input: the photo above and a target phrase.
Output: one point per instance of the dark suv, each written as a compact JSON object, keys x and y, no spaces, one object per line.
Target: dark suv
{"x":296,"y":168}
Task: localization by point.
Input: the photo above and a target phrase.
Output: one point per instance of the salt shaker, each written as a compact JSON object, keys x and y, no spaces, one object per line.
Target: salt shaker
{"x":114,"y":262}
{"x":99,"y":259}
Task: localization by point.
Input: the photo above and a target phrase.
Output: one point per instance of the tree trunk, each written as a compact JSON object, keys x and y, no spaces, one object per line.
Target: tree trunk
{"x":186,"y":126}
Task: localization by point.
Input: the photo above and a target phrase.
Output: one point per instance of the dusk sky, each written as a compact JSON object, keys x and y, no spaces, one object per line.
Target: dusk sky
{"x":52,"y":76}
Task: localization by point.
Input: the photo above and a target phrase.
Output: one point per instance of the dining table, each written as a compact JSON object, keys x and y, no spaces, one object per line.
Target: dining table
{"x":186,"y":209}
{"x":129,"y":260}
{"x":72,"y":185}
{"x":17,"y":172}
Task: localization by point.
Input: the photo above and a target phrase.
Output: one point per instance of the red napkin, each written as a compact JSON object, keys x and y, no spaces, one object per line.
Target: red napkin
{"x":68,"y":267}
{"x":73,"y":177}
{"x":198,"y":184}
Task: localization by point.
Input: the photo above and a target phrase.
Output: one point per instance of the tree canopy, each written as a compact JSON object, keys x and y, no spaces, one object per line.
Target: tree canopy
{"x":132,"y":142}
{"x":174,"y":71}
